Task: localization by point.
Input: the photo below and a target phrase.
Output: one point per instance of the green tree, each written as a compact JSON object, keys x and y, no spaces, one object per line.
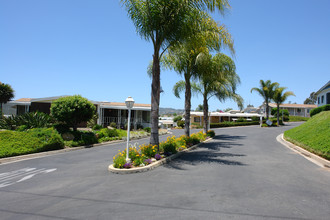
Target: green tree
{"x":218,"y":79}
{"x":266,"y":90}
{"x":72,"y":110}
{"x":200,"y":108}
{"x":311,"y":100}
{"x":209,"y":36}
{"x":165,"y":23}
{"x":6,"y":94}
{"x":177,"y":118}
{"x":279,"y":97}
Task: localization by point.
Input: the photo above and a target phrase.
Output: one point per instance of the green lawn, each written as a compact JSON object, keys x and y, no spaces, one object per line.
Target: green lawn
{"x":313,"y":135}
{"x":297,"y":118}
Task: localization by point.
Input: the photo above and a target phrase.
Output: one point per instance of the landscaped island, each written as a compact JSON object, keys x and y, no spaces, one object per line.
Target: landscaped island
{"x":147,"y":154}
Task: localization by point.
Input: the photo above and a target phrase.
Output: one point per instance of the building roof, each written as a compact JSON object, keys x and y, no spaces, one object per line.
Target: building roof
{"x":326,"y":86}
{"x":116,"y":105}
{"x":23,"y":100}
{"x":123,"y":104}
{"x":273,"y":105}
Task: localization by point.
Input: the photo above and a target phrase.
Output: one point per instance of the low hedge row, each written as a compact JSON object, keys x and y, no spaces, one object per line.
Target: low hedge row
{"x":231,"y":124}
{"x":320,"y":109}
{"x":14,"y":143}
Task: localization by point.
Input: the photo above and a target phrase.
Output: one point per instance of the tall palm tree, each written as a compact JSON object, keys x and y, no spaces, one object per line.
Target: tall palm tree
{"x":266,"y":90}
{"x":182,"y":56}
{"x":6,"y":94}
{"x":164,"y":23}
{"x":280,"y":97}
{"x":218,"y":79}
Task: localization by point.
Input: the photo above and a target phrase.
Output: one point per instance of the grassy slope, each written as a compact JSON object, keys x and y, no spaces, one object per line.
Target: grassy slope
{"x":314,"y":135}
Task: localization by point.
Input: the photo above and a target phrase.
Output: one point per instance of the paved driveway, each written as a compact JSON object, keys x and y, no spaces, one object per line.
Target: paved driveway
{"x":244,"y":173}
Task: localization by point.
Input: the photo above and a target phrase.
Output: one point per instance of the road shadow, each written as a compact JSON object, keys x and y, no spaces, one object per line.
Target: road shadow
{"x":210,"y":153}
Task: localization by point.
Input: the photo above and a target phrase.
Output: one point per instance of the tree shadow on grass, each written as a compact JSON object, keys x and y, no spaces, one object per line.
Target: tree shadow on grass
{"x":209,"y":153}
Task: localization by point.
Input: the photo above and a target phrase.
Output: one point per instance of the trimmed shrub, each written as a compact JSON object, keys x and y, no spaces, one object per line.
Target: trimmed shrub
{"x":177,"y":118}
{"x":147,"y":129}
{"x":62,"y":128}
{"x":255,"y":118}
{"x":72,"y":110}
{"x":319,"y":109}
{"x":241,"y":120}
{"x":113,"y":125}
{"x":97,"y":127}
{"x":180,"y":123}
{"x":14,"y":143}
{"x":210,"y":133}
{"x":232,"y":124}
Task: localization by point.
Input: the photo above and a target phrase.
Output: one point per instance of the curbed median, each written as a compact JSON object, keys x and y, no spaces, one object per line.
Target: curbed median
{"x":155,"y":164}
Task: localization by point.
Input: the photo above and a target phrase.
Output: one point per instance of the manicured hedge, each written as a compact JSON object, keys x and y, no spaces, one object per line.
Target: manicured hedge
{"x":14,"y":143}
{"x":231,"y":124}
{"x":320,"y":109}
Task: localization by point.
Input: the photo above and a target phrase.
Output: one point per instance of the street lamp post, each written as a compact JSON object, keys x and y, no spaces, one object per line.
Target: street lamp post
{"x":129,"y":104}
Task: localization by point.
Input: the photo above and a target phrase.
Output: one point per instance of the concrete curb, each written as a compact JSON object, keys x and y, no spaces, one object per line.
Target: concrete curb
{"x":155,"y":164}
{"x":324,"y":163}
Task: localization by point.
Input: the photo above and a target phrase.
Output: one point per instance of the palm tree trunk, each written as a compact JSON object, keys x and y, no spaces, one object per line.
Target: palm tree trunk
{"x":206,"y":114}
{"x":155,"y":97}
{"x":187,"y":105}
{"x":267,"y":110}
{"x":278,"y":114}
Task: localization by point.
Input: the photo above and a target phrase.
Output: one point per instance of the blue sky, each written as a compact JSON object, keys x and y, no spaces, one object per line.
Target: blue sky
{"x":90,"y":47}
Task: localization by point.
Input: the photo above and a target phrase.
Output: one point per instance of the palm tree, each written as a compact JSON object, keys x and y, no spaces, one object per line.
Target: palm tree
{"x":280,"y":97}
{"x":6,"y":94}
{"x":266,"y":90}
{"x":164,"y":23}
{"x":182,"y":56}
{"x":218,"y":79}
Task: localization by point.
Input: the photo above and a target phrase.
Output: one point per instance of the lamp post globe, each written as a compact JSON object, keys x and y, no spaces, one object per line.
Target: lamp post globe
{"x":129,"y":104}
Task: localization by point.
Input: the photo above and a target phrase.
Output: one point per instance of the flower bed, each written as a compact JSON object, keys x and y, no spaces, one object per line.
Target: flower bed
{"x":145,"y":155}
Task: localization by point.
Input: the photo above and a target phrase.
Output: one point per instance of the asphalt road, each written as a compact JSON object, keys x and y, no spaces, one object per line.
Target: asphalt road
{"x":244,"y":173}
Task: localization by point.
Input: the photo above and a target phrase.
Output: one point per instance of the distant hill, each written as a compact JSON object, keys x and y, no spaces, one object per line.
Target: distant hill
{"x":167,"y":111}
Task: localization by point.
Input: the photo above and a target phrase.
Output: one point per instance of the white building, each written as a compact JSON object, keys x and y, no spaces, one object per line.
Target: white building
{"x":107,"y":111}
{"x":323,"y":95}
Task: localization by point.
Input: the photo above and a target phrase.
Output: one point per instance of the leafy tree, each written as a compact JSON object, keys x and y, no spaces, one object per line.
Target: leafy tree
{"x":199,"y":108}
{"x":266,"y":90}
{"x":177,"y":118}
{"x":279,"y":97}
{"x":311,"y":100}
{"x":165,"y":23}
{"x":72,"y":110}
{"x":6,"y":94}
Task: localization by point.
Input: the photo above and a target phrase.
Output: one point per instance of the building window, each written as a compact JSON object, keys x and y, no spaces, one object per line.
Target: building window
{"x":318,"y":100}
{"x":307,"y":110}
{"x":322,"y":99}
{"x":197,"y":119}
{"x":298,"y":110}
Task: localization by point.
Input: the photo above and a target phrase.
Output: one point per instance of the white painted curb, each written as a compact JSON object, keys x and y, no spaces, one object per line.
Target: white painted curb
{"x":324,"y":163}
